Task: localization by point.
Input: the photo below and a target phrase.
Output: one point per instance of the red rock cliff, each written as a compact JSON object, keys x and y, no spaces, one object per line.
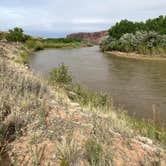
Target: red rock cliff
{"x":94,"y":37}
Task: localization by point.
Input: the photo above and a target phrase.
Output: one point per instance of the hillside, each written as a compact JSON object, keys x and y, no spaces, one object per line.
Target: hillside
{"x":94,"y":37}
{"x":40,"y":125}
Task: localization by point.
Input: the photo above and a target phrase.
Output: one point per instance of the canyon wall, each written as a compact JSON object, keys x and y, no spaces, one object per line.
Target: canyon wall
{"x":94,"y":37}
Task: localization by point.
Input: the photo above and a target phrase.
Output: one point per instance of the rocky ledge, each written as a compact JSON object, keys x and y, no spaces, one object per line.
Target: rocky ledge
{"x":94,"y":37}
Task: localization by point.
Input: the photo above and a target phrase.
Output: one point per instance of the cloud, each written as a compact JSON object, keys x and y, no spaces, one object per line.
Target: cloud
{"x":57,"y":17}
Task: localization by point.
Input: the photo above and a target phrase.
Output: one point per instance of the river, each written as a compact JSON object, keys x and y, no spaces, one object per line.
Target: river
{"x":138,"y":86}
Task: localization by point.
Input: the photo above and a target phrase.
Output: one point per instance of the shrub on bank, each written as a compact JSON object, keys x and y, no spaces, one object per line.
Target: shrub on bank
{"x":157,"y":24}
{"x":39,"y":44}
{"x":61,"y":40}
{"x":34,"y":45}
{"x":59,"y":76}
{"x":16,"y":35}
{"x":142,"y":42}
{"x":140,"y":37}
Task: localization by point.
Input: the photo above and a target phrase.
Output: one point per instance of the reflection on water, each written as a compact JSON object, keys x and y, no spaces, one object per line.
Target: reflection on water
{"x":135,"y":85}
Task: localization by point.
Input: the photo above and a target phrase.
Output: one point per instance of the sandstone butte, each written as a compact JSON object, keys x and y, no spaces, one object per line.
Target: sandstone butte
{"x":93,"y":37}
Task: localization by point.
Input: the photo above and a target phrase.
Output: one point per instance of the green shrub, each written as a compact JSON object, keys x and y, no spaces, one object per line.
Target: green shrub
{"x":39,"y":44}
{"x":94,"y":152}
{"x":142,"y":42}
{"x":60,"y":76}
{"x":157,"y":24}
{"x":144,"y":38}
{"x":25,"y":57}
{"x":35,"y":45}
{"x":87,"y":98}
{"x":62,"y":40}
{"x":121,"y":28}
{"x":16,"y":35}
{"x":31,"y":43}
{"x":69,"y":152}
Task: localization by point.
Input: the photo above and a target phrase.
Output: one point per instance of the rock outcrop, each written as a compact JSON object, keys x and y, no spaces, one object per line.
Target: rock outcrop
{"x":94,"y":37}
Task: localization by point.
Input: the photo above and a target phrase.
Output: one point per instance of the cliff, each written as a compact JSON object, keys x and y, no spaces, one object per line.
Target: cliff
{"x":94,"y":37}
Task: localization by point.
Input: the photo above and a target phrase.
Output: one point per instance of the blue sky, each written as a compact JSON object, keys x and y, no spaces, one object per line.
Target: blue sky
{"x":56,"y":18}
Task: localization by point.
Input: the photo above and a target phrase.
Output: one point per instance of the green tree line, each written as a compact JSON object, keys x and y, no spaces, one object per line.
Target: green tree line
{"x":157,"y":24}
{"x":141,"y":37}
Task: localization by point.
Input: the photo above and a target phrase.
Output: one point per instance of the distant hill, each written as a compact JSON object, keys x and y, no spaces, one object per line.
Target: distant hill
{"x":94,"y":37}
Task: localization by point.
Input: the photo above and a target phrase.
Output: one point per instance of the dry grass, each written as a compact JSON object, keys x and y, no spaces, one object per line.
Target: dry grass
{"x":32,"y":112}
{"x":22,"y":101}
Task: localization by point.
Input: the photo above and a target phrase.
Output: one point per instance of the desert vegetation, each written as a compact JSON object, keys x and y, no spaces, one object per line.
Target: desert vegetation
{"x":147,"y":38}
{"x":43,"y":124}
{"x":31,"y":44}
{"x":16,"y":35}
{"x":36,"y":43}
{"x":60,"y":77}
{"x":40,"y":44}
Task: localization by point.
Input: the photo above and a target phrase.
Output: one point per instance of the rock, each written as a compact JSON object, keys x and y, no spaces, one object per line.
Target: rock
{"x":75,"y":105}
{"x":145,"y":140}
{"x":94,"y":37}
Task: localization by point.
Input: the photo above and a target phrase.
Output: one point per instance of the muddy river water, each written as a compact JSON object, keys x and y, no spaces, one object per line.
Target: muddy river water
{"x":138,"y":86}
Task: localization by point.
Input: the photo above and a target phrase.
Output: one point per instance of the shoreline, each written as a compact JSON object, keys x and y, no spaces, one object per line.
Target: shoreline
{"x":134,"y":56}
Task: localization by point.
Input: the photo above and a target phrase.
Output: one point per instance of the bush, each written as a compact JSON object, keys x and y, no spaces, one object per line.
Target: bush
{"x":35,"y":45}
{"x":61,"y":40}
{"x":94,"y":152}
{"x":125,"y":26}
{"x":121,"y":28}
{"x":88,"y":98}
{"x":60,"y":76}
{"x":16,"y":35}
{"x":144,"y":38}
{"x":143,"y":42}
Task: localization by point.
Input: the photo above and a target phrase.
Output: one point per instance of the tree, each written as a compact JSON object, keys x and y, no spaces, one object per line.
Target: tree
{"x":16,"y":35}
{"x":121,"y":28}
{"x":157,"y":24}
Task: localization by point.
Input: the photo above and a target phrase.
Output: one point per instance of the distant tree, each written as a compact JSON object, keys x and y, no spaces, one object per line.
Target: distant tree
{"x":143,"y":42}
{"x":121,"y":28}
{"x":157,"y":24}
{"x":16,"y":35}
{"x":140,"y":37}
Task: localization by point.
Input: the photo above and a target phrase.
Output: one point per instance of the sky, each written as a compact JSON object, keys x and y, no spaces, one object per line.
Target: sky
{"x":56,"y":18}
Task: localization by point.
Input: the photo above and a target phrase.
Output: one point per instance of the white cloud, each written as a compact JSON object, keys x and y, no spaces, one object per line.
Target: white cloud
{"x":64,"y":16}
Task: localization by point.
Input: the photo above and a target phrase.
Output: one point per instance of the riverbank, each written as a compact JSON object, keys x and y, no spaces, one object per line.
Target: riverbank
{"x":136,"y":56}
{"x":29,"y":47}
{"x":33,"y":45}
{"x":40,"y":44}
{"x":40,"y":125}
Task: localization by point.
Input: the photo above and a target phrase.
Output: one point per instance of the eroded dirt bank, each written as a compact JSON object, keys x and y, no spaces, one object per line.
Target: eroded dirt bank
{"x":41,"y":126}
